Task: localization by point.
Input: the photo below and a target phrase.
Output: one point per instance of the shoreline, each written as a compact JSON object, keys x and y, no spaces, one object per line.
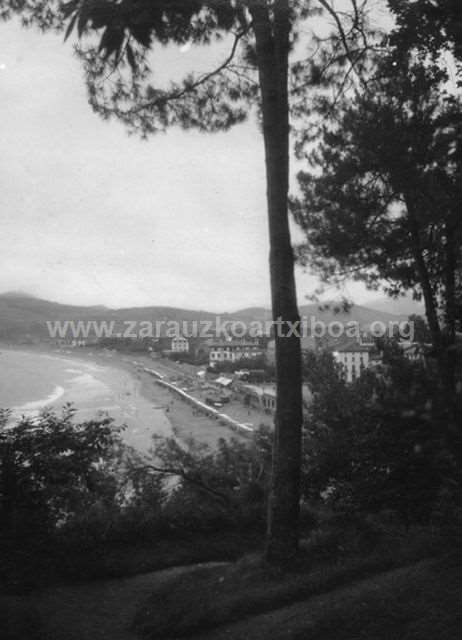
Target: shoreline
{"x":95,"y":386}
{"x":186,"y":423}
{"x":142,"y":399}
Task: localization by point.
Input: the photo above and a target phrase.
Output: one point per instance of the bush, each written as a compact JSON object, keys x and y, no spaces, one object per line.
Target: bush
{"x":73,"y":497}
{"x":52,"y":469}
{"x":378,"y":444}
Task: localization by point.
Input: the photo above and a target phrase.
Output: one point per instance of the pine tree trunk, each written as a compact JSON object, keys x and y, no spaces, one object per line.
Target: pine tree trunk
{"x":443,"y":342}
{"x":272,"y":44}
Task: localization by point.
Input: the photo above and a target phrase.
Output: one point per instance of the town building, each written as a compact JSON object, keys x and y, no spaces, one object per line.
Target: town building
{"x":72,"y":343}
{"x":354,"y":357}
{"x":233,"y":351}
{"x":264,"y":397}
{"x":260,"y":397}
{"x":179,"y":344}
{"x":224,"y":382}
{"x":415,"y":351}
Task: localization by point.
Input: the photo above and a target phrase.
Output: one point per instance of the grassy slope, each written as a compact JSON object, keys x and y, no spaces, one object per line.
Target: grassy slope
{"x":422,"y":601}
{"x":208,"y":598}
{"x":97,"y":610}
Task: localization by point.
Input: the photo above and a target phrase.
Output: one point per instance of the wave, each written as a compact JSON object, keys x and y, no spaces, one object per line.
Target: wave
{"x":34,"y":407}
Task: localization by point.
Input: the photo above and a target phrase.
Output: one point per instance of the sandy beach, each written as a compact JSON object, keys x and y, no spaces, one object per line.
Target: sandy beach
{"x":110,"y":382}
{"x":93,"y":385}
{"x":185,"y":423}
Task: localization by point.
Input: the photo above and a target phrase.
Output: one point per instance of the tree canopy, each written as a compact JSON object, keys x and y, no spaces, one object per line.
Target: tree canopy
{"x":428,"y":25}
{"x":380,"y":201}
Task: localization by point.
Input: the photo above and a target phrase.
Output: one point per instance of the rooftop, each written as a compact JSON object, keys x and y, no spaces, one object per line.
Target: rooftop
{"x":355,"y":347}
{"x":233,"y":345}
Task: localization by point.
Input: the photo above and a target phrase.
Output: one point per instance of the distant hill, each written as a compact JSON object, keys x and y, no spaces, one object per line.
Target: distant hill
{"x":401,"y":306}
{"x":17,"y":295}
{"x":24,"y":316}
{"x":364,"y":316}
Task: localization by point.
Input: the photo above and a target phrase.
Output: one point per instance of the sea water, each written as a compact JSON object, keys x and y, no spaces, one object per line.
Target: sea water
{"x":31,"y":381}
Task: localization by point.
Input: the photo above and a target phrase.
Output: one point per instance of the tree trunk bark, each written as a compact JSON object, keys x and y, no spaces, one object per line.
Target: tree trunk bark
{"x":425,"y":282}
{"x":443,"y":341}
{"x":272,"y":46}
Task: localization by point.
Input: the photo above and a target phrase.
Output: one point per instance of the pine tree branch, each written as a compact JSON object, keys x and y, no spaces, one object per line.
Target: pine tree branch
{"x":190,"y":88}
{"x":344,"y":38}
{"x":338,"y":22}
{"x":191,"y":479}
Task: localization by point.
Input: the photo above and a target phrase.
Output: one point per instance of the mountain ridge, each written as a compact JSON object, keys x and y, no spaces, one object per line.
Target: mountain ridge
{"x":24,"y":315}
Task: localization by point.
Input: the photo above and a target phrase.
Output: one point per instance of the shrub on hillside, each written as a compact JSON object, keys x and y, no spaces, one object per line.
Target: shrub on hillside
{"x":378,"y":444}
{"x":72,"y":495}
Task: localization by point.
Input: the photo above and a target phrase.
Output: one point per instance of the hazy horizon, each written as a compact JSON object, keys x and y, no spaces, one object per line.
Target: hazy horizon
{"x":403,"y":305}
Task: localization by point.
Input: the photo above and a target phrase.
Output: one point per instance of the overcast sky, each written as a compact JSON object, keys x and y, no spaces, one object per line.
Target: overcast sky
{"x":89,"y":215}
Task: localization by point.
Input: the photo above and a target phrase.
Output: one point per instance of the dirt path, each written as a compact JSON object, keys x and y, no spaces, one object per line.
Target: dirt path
{"x":98,"y":610}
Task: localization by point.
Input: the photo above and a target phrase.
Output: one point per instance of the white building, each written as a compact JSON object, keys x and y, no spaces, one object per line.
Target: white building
{"x":234,"y":351}
{"x":354,"y":358}
{"x":180,"y":344}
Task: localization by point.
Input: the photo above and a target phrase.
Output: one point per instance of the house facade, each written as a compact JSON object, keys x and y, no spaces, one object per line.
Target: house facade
{"x":415,"y":351}
{"x":264,"y":397}
{"x":179,"y":344}
{"x":234,"y":351}
{"x":354,"y":358}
